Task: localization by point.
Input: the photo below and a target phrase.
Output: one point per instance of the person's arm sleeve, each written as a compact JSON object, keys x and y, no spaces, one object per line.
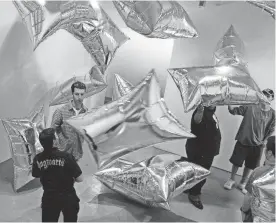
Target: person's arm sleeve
{"x":271,"y":129}
{"x":35,"y":170}
{"x":237,"y":110}
{"x":73,"y":167}
{"x":57,"y":121}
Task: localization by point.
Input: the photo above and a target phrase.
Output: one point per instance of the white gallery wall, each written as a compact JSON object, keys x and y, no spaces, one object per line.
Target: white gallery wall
{"x":26,"y":75}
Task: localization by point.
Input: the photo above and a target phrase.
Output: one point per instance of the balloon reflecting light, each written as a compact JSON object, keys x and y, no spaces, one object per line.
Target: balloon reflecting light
{"x":228,"y":82}
{"x":90,"y":25}
{"x":157,"y":19}
{"x":152,"y":181}
{"x":24,"y":144}
{"x":263,"y":197}
{"x":267,"y":6}
{"x":149,"y":124}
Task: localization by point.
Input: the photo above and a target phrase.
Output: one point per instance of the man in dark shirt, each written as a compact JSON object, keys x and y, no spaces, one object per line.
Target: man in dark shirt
{"x":57,"y":171}
{"x":202,"y":149}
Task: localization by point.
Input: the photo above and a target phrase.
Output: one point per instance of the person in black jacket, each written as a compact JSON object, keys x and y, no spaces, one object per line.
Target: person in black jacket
{"x":202,"y":149}
{"x":58,"y":171}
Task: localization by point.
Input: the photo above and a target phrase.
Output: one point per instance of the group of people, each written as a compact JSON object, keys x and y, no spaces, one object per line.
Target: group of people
{"x":58,"y":169}
{"x":255,"y":131}
{"x":57,"y":165}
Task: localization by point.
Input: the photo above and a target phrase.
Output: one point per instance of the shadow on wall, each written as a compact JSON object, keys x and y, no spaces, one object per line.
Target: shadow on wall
{"x":21,"y":85}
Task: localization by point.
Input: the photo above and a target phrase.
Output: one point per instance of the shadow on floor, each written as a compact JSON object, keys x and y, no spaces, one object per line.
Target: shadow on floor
{"x":138,"y":212}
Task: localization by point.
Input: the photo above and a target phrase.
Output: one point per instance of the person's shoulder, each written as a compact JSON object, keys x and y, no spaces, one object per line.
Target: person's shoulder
{"x":64,"y":155}
{"x":60,"y":153}
{"x":248,"y":107}
{"x":38,"y":156}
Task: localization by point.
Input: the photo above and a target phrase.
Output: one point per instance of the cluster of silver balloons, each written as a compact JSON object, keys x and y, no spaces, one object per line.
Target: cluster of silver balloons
{"x":152,"y":180}
{"x":141,"y":120}
{"x":91,"y":25}
{"x":100,"y":36}
{"x":228,"y":82}
{"x":23,"y":133}
{"x":137,"y":117}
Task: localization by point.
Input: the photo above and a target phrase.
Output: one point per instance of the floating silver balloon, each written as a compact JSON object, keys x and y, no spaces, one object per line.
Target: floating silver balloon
{"x":227,"y":84}
{"x":263,"y":197}
{"x":36,"y":18}
{"x":157,"y":113}
{"x":154,"y":180}
{"x":24,"y":143}
{"x":101,"y":38}
{"x":121,"y":87}
{"x":45,"y":101}
{"x":95,"y":123}
{"x":94,"y":84}
{"x":97,"y":70}
{"x":85,"y":20}
{"x":157,"y":19}
{"x":149,"y":126}
{"x":267,"y":6}
{"x":129,"y":137}
{"x":230,"y":47}
{"x":159,"y":116}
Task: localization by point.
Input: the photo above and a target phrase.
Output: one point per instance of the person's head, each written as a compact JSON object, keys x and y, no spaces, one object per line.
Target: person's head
{"x":78,"y":89}
{"x":269,"y":94}
{"x":270,"y":149}
{"x":47,"y":138}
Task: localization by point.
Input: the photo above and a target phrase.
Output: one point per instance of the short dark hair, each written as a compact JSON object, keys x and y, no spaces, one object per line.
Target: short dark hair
{"x":271,"y":144}
{"x":268,"y":92}
{"x":78,"y":85}
{"x":46,"y":138}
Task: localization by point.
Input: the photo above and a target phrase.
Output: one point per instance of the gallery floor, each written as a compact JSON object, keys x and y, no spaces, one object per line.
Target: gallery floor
{"x":102,"y":205}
